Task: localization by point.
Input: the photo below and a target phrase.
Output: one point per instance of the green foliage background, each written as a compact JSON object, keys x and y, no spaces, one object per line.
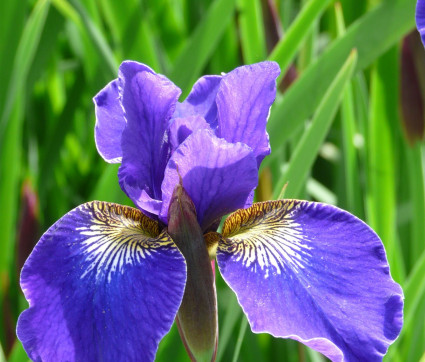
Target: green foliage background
{"x":336,"y":133}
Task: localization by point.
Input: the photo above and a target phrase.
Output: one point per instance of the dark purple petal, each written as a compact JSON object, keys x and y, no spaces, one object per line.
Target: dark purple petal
{"x":28,"y":231}
{"x":411,"y":99}
{"x":149,"y":101}
{"x":243,"y":101}
{"x":201,"y":100}
{"x":103,"y":285}
{"x":314,"y":273}
{"x":181,"y":128}
{"x":420,"y":18}
{"x":217,"y":175}
{"x":272,"y":24}
{"x":110,"y":123}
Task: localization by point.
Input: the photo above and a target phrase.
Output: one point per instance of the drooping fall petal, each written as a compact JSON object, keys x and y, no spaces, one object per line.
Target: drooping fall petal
{"x":102,"y":284}
{"x":314,"y":273}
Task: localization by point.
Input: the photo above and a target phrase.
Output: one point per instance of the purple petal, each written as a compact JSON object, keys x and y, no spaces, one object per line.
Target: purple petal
{"x":128,"y":69}
{"x":217,"y":175}
{"x":420,"y":19}
{"x":243,"y":101}
{"x":149,"y":101}
{"x":181,"y":128}
{"x":201,"y":100}
{"x":110,"y":120}
{"x":102,"y":285}
{"x":314,"y":273}
{"x":110,"y":123}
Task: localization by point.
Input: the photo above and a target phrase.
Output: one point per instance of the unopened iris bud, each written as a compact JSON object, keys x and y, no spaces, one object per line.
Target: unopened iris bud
{"x":197,"y":316}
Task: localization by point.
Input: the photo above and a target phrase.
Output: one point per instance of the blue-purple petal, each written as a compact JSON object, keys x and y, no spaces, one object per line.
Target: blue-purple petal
{"x":202,"y":100}
{"x":110,"y":123}
{"x":218,"y":176}
{"x":128,"y":69}
{"x":148,"y":100}
{"x":102,"y":284}
{"x":314,"y":273}
{"x":181,"y":128}
{"x":420,"y":19}
{"x":243,"y":101}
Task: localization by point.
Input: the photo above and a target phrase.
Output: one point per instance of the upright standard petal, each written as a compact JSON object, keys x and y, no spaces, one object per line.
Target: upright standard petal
{"x":103,"y":285}
{"x":217,"y":175}
{"x":181,"y":128}
{"x":110,"y":120}
{"x":420,"y":19}
{"x":243,"y":101}
{"x":128,"y":69}
{"x":110,"y":123}
{"x":202,"y":100}
{"x":149,"y":101}
{"x":314,"y":273}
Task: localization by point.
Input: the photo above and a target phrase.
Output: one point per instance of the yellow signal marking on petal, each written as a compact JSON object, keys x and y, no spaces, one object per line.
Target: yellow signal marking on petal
{"x":211,"y":240}
{"x":117,"y":235}
{"x":266,"y":236}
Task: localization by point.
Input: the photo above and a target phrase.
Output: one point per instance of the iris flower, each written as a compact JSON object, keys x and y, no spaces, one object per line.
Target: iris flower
{"x":420,"y":19}
{"x":106,"y":281}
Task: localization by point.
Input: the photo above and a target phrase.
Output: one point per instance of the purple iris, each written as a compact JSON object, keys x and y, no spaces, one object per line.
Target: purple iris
{"x":420,"y":19}
{"x":106,"y":281}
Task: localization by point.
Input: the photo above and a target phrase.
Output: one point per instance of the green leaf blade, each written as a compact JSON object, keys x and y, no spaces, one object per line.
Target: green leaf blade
{"x":308,"y":147}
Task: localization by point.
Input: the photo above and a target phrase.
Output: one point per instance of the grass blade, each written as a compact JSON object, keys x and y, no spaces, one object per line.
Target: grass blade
{"x":108,"y":189}
{"x":23,"y":58}
{"x":417,"y":197}
{"x":12,"y":21}
{"x":352,"y":191}
{"x":228,"y":55}
{"x":232,"y":315}
{"x":18,"y":353}
{"x":371,"y":35}
{"x":252,"y":31}
{"x":11,"y":132}
{"x":239,"y":341}
{"x":284,"y":52}
{"x":381,"y":196}
{"x":10,"y":169}
{"x":202,"y":43}
{"x":306,"y":150}
{"x":87,"y":27}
